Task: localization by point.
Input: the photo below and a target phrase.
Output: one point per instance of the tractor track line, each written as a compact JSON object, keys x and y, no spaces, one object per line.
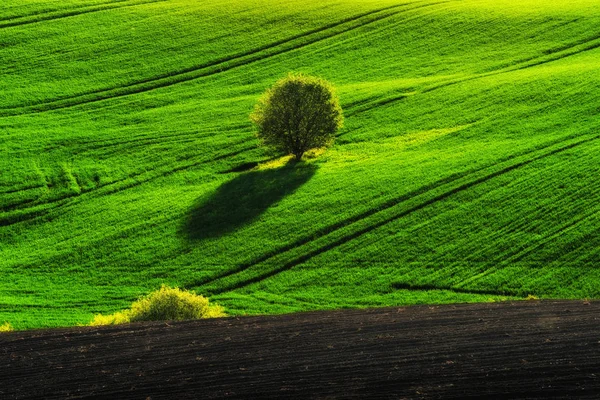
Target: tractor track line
{"x":73,"y":13}
{"x":525,"y":62}
{"x":518,"y":256}
{"x":496,"y":236}
{"x":207,"y":69}
{"x":519,"y":253}
{"x":592,"y":42}
{"x":423,"y":288}
{"x":214,"y":63}
{"x":559,"y":232}
{"x":129,"y":143}
{"x":386,"y":205}
{"x":66,"y":9}
{"x":111,"y":188}
{"x":348,"y":237}
{"x":23,"y":189}
{"x":147,"y":138}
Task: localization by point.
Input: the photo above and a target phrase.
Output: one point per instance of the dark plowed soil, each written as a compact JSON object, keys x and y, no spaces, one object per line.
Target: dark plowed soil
{"x":499,"y":350}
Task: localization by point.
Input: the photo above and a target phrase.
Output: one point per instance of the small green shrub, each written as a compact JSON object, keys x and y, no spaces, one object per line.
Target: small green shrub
{"x":164,"y":304}
{"x":6,"y":327}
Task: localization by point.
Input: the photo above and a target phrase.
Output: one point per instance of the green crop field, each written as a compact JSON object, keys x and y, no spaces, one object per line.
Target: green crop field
{"x":467,"y":169}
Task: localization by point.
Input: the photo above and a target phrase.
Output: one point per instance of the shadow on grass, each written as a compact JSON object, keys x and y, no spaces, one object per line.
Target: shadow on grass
{"x":244,"y":199}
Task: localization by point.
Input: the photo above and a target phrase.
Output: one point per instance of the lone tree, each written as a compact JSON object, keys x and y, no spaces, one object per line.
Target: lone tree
{"x":297,"y":114}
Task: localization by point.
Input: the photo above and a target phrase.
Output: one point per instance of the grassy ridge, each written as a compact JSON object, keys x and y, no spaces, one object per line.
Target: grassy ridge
{"x":466,"y":170}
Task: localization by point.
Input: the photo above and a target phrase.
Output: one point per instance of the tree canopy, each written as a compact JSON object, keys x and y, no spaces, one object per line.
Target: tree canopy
{"x":297,"y":114}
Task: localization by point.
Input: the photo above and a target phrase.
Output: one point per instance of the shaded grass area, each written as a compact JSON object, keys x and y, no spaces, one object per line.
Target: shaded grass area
{"x":466,"y":170}
{"x":243,"y":199}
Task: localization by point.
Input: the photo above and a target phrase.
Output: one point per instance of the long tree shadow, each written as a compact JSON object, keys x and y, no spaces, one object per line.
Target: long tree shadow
{"x":243,"y":199}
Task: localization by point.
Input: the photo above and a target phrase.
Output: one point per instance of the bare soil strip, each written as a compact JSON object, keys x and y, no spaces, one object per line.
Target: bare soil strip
{"x":548,"y":349}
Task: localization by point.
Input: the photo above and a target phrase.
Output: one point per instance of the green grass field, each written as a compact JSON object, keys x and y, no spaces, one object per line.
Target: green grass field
{"x":467,"y":169}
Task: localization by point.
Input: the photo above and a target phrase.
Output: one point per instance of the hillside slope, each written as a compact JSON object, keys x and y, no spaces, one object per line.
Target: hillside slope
{"x":466,"y":170}
{"x":521,"y":350}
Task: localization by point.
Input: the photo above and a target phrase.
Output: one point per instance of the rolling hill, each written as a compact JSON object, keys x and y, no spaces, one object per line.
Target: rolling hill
{"x":466,"y":171}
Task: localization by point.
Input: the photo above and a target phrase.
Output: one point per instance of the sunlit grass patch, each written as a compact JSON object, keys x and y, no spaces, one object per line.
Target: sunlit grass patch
{"x":275,"y":163}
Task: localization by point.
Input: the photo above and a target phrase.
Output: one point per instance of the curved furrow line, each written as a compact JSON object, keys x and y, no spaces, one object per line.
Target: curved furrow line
{"x":130,"y":144}
{"x":188,"y":137}
{"x":388,"y":204}
{"x":575,"y":50}
{"x":131,"y":181}
{"x":28,"y":214}
{"x":130,"y":148}
{"x":66,"y":9}
{"x":206,"y":65}
{"x":9,"y":219}
{"x":17,"y":205}
{"x":217,"y":66}
{"x":136,"y":142}
{"x":550,"y":55}
{"x":507,"y":258}
{"x":498,"y":235}
{"x":359,"y":227}
{"x":520,"y":254}
{"x":583,"y":260}
{"x":422,"y":288}
{"x":17,"y":190}
{"x":167,"y":136}
{"x":517,"y":254}
{"x":98,"y":241}
{"x":369,"y":105}
{"x":571,"y":225}
{"x":108,"y":148}
{"x":334,"y":227}
{"x":588,"y":44}
{"x":553,"y":54}
{"x":72,"y":13}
